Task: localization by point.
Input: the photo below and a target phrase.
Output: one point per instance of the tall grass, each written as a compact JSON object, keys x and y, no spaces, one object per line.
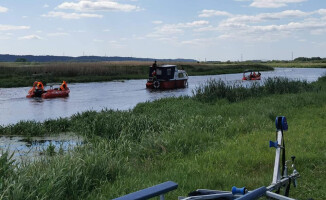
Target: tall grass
{"x":217,"y":89}
{"x":197,"y":144}
{"x":297,"y":64}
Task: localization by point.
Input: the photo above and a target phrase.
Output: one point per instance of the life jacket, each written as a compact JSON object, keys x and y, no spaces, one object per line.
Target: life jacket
{"x":63,"y":86}
{"x":40,"y":86}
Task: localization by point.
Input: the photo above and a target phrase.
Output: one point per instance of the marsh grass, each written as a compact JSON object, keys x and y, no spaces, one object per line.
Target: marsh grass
{"x":198,"y":144}
{"x":14,"y":74}
{"x":297,"y":64}
{"x":217,"y":89}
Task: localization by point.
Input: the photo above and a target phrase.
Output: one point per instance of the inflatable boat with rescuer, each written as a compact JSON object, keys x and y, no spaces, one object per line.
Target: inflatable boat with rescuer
{"x":167,"y":77}
{"x":250,"y":75}
{"x":38,"y":91}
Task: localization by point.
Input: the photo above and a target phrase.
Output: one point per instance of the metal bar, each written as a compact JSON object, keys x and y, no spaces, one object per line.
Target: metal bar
{"x":255,"y":194}
{"x":277,"y":196}
{"x":162,"y":197}
{"x":276,"y":174}
{"x":211,"y":196}
{"x":283,"y":181}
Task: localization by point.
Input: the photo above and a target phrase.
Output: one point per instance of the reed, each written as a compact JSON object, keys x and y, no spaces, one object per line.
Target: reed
{"x":217,"y":89}
{"x":14,"y":75}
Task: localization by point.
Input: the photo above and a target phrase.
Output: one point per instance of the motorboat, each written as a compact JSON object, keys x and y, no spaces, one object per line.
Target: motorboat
{"x":250,"y":75}
{"x":167,"y":77}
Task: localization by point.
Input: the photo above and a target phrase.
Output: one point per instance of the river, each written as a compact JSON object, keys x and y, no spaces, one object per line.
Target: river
{"x":122,"y":95}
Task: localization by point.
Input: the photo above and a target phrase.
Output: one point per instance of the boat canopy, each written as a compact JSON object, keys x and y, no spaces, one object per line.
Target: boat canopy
{"x":164,"y":72}
{"x":250,"y":70}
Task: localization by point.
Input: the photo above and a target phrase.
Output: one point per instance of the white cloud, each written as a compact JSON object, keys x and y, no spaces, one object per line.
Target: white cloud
{"x":273,"y":3}
{"x":174,"y":29}
{"x":106,"y":30}
{"x":12,"y":28}
{"x":3,"y":9}
{"x":211,"y":13}
{"x":157,"y":22}
{"x":57,"y":34}
{"x":98,"y":5}
{"x":268,"y":16}
{"x":30,"y":37}
{"x":71,"y":15}
{"x":46,"y":6}
{"x":290,"y":23}
{"x":321,"y":11}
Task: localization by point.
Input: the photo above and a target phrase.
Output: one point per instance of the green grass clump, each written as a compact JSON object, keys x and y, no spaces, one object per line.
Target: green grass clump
{"x":218,"y":89}
{"x":71,"y":176}
{"x":212,"y":144}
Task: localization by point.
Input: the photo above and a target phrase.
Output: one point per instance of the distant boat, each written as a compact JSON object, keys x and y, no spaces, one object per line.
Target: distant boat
{"x":250,"y":75}
{"x":166,"y":77}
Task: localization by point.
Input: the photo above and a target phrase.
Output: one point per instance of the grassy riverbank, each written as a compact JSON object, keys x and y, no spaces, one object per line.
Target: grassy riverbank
{"x":24,"y":74}
{"x":209,"y":141}
{"x":297,"y":64}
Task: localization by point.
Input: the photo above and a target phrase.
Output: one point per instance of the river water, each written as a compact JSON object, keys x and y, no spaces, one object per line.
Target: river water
{"x":122,"y":95}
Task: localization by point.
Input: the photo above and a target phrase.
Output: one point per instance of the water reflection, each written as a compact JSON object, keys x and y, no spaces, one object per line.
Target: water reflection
{"x":121,"y":95}
{"x":28,"y":149}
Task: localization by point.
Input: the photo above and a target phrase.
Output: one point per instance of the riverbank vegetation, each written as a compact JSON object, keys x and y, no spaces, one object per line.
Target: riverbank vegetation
{"x":24,"y":74}
{"x":211,"y":141}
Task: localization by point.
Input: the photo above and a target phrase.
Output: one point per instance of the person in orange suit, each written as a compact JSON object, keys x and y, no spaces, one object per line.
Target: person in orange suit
{"x":63,"y":86}
{"x":33,"y":88}
{"x":39,"y":86}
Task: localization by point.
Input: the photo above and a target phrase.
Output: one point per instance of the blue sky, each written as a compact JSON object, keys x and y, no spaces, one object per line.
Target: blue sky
{"x":197,"y":29}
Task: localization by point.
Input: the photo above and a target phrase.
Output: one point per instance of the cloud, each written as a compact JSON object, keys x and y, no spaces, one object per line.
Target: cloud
{"x":268,"y":26}
{"x":174,"y":29}
{"x":321,"y":11}
{"x":273,"y":3}
{"x":98,"y":5}
{"x":12,"y":28}
{"x":64,"y":15}
{"x":157,"y":22}
{"x":268,"y":16}
{"x":57,"y":34}
{"x":211,"y":13}
{"x":97,"y":40}
{"x":30,"y":37}
{"x":3,"y":9}
{"x":46,"y":6}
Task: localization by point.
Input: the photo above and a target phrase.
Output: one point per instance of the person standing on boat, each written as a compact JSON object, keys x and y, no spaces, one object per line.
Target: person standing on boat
{"x":154,"y":65}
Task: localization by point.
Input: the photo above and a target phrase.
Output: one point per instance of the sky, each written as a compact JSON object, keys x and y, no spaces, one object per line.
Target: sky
{"x":210,"y":30}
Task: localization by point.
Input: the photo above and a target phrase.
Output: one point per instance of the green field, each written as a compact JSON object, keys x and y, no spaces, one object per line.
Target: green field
{"x":212,"y":140}
{"x":24,"y":74}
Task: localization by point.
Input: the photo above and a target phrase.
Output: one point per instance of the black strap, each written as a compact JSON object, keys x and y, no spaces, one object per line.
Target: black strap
{"x":287,"y":190}
{"x":283,"y":155}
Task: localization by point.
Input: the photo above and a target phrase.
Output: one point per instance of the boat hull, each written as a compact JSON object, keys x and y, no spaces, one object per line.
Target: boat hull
{"x":35,"y":93}
{"x":170,"y":84}
{"x":55,"y":93}
{"x":251,"y":79}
